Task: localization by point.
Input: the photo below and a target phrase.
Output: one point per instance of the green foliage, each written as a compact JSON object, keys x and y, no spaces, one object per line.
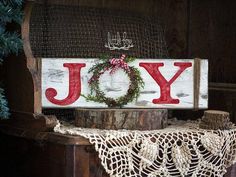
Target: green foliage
{"x":12,"y":3}
{"x":10,"y":42}
{"x":96,"y":95}
{"x":129,"y":59}
{"x":4,"y":110}
{"x":104,"y":57}
{"x":10,"y":14}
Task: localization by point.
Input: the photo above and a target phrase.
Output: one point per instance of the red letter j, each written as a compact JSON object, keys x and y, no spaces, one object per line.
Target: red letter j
{"x":74,"y":86}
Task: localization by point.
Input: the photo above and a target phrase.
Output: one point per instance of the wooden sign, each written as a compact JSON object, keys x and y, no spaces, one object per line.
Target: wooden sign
{"x":168,"y":83}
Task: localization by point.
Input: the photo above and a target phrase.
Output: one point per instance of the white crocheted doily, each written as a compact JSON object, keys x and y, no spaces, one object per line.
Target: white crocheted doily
{"x":182,"y":149}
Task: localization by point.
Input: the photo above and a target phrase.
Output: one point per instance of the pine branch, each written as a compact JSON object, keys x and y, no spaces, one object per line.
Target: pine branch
{"x":10,"y":14}
{"x":4,"y":110}
{"x":10,"y":11}
{"x":9,"y":43}
{"x":12,"y":3}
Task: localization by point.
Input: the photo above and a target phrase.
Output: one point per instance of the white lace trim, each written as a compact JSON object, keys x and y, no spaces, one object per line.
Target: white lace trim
{"x":182,"y":149}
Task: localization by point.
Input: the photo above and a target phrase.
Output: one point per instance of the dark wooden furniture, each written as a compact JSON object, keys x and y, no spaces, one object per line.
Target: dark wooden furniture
{"x":28,"y":147}
{"x":27,"y":153}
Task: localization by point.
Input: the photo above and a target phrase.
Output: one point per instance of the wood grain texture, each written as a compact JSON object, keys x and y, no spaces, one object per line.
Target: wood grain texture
{"x":30,"y":121}
{"x":130,"y":119}
{"x":227,"y":97}
{"x":214,"y":120}
{"x":19,"y":84}
{"x":81,"y":162}
{"x":174,"y":17}
{"x":52,"y":137}
{"x":213,"y":35}
{"x":33,"y":64}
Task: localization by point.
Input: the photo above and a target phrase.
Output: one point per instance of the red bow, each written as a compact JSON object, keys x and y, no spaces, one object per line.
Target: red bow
{"x":119,"y":63}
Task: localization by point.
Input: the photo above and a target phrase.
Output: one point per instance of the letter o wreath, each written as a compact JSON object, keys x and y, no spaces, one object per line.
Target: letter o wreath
{"x":136,"y":83}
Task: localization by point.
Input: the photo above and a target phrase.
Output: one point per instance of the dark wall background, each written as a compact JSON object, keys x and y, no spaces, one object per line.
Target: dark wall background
{"x":212,"y":35}
{"x":208,"y":31}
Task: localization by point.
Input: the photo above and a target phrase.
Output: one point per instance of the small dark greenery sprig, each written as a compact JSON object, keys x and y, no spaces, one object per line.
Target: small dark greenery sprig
{"x":96,"y":95}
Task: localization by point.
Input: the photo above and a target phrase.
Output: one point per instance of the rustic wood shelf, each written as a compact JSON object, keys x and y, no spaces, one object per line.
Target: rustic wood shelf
{"x":43,"y":136}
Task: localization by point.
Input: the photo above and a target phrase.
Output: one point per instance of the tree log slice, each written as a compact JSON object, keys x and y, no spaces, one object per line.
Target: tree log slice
{"x":214,"y":119}
{"x":130,"y":119}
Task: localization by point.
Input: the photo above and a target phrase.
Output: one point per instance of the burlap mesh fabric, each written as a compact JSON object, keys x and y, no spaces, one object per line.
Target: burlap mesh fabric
{"x":73,"y":31}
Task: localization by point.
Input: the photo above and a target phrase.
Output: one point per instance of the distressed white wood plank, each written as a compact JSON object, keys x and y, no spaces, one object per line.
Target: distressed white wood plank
{"x":203,"y":92}
{"x":54,"y":75}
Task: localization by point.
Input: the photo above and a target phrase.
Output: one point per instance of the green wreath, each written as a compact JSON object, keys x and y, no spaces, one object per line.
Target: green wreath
{"x":136,"y":81}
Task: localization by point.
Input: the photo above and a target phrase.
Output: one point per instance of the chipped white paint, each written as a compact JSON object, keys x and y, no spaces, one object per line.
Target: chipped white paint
{"x":54,"y":75}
